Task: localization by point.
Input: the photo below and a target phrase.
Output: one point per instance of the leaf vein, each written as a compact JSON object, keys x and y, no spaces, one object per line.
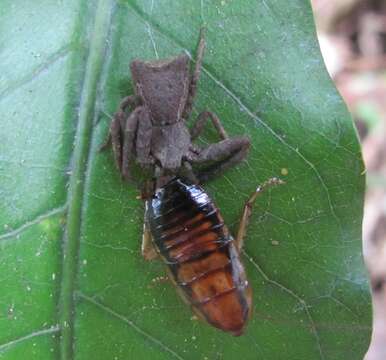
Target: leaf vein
{"x":131,"y":324}
{"x":52,"y":59}
{"x":71,"y":240}
{"x":294,"y":295}
{"x":51,"y":330}
{"x":33,"y":222}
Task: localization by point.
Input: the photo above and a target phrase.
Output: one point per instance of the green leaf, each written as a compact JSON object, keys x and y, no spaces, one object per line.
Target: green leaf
{"x":73,"y":283}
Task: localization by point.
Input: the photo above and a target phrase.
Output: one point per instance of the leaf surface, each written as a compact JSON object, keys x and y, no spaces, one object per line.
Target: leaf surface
{"x":73,"y":282}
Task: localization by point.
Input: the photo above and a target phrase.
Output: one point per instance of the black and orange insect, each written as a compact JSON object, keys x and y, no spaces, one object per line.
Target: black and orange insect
{"x":185,"y":228}
{"x":182,"y":224}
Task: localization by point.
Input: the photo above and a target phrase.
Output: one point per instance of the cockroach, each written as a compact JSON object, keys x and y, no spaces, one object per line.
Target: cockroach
{"x":185,"y":228}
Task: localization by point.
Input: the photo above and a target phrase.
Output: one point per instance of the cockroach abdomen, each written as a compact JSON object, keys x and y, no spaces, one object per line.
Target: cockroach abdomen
{"x":194,"y":242}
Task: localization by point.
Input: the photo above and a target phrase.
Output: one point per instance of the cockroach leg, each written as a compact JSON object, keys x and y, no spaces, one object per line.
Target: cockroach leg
{"x":147,"y":192}
{"x":148,"y":250}
{"x":248,"y":209}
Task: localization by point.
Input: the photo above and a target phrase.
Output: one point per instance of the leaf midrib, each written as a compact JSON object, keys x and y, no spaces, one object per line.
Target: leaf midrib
{"x":94,"y":63}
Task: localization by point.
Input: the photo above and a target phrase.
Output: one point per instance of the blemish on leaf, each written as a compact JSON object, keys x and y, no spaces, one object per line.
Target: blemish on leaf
{"x":284,"y":171}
